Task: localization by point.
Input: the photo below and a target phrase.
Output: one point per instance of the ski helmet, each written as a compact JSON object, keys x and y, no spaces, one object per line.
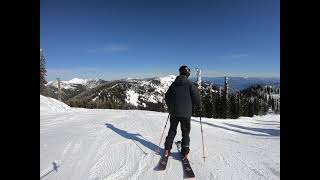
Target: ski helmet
{"x":184,"y":70}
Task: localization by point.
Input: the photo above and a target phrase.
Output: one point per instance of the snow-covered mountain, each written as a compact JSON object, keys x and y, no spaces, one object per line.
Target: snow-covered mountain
{"x":72,"y":87}
{"x":96,"y":144}
{"x":128,"y":92}
{"x":78,"y":81}
{"x":137,"y":91}
{"x":155,"y":89}
{"x":149,"y":93}
{"x":75,"y":82}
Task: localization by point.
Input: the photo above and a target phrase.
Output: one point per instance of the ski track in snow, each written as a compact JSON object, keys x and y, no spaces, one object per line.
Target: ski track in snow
{"x":105,"y":144}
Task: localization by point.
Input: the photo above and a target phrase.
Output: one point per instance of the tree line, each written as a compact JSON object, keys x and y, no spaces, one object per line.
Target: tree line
{"x":254,"y":100}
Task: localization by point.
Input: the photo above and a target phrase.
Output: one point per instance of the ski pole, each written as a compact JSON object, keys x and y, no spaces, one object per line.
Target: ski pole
{"x":202,"y":137}
{"x":139,"y":147}
{"x":162,"y":134}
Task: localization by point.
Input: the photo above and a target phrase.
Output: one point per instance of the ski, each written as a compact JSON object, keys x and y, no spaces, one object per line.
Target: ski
{"x":162,"y":163}
{"x":188,"y":172}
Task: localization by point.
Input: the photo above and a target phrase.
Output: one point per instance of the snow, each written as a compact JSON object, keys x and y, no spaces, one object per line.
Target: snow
{"x":152,"y":98}
{"x":70,"y":84}
{"x":64,"y":84}
{"x":78,"y":81}
{"x":51,"y":105}
{"x":132,"y":97}
{"x":275,"y":96}
{"x":167,"y":80}
{"x":72,"y":81}
{"x":94,"y":99}
{"x":96,"y":144}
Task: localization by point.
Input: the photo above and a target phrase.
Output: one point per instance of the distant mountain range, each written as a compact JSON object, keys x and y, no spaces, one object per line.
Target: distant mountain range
{"x":136,"y":92}
{"x":75,"y":82}
{"x":240,"y":83}
{"x":139,"y":92}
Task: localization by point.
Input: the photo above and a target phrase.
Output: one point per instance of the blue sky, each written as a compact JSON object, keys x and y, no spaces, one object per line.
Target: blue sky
{"x":112,"y":39}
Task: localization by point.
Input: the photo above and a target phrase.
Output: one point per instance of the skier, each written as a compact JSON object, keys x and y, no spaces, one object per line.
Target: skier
{"x":180,"y":97}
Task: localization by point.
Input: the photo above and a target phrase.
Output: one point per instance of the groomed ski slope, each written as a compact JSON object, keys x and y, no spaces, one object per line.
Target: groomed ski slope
{"x":92,"y":144}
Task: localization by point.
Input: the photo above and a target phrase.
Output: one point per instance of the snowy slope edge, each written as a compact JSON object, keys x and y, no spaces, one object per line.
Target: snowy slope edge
{"x":51,"y":105}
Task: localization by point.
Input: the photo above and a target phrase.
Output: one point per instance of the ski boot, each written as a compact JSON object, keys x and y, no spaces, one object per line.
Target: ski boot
{"x":167,"y":153}
{"x":185,"y":157}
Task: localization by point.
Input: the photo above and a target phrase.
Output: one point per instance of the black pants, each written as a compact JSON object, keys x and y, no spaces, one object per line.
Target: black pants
{"x":185,"y":128}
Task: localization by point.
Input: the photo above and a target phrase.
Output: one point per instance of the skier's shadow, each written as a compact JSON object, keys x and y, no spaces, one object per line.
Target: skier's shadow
{"x":135,"y":137}
{"x":55,"y":168}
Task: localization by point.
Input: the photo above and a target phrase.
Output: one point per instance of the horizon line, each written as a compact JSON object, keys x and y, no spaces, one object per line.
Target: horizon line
{"x":124,"y":78}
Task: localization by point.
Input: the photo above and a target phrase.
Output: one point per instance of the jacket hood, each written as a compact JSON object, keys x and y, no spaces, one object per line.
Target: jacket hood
{"x":181,"y":80}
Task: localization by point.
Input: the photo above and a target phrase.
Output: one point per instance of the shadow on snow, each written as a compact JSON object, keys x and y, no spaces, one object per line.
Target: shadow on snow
{"x":136,"y":137}
{"x":270,"y":132}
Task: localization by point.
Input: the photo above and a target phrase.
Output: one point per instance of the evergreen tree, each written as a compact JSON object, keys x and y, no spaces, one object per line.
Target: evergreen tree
{"x":43,"y":72}
{"x":239,"y":108}
{"x":225,"y":106}
{"x":213,"y":104}
{"x":250,"y":108}
{"x":198,"y":110}
{"x":208,"y":104}
{"x":233,"y":107}
{"x":257,"y":107}
{"x":236,"y":104}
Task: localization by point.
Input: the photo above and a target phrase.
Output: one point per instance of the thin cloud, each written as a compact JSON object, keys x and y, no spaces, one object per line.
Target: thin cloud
{"x":67,"y":74}
{"x":235,"y":56}
{"x":110,"y":48}
{"x":106,"y":74}
{"x":111,"y":74}
{"x":211,"y":73}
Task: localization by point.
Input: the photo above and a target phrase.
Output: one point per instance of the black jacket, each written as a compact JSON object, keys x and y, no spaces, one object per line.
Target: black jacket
{"x":180,"y":97}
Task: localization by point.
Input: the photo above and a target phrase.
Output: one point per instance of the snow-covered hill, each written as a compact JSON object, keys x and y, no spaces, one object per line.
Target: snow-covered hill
{"x":51,"y":105}
{"x":92,"y":144}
